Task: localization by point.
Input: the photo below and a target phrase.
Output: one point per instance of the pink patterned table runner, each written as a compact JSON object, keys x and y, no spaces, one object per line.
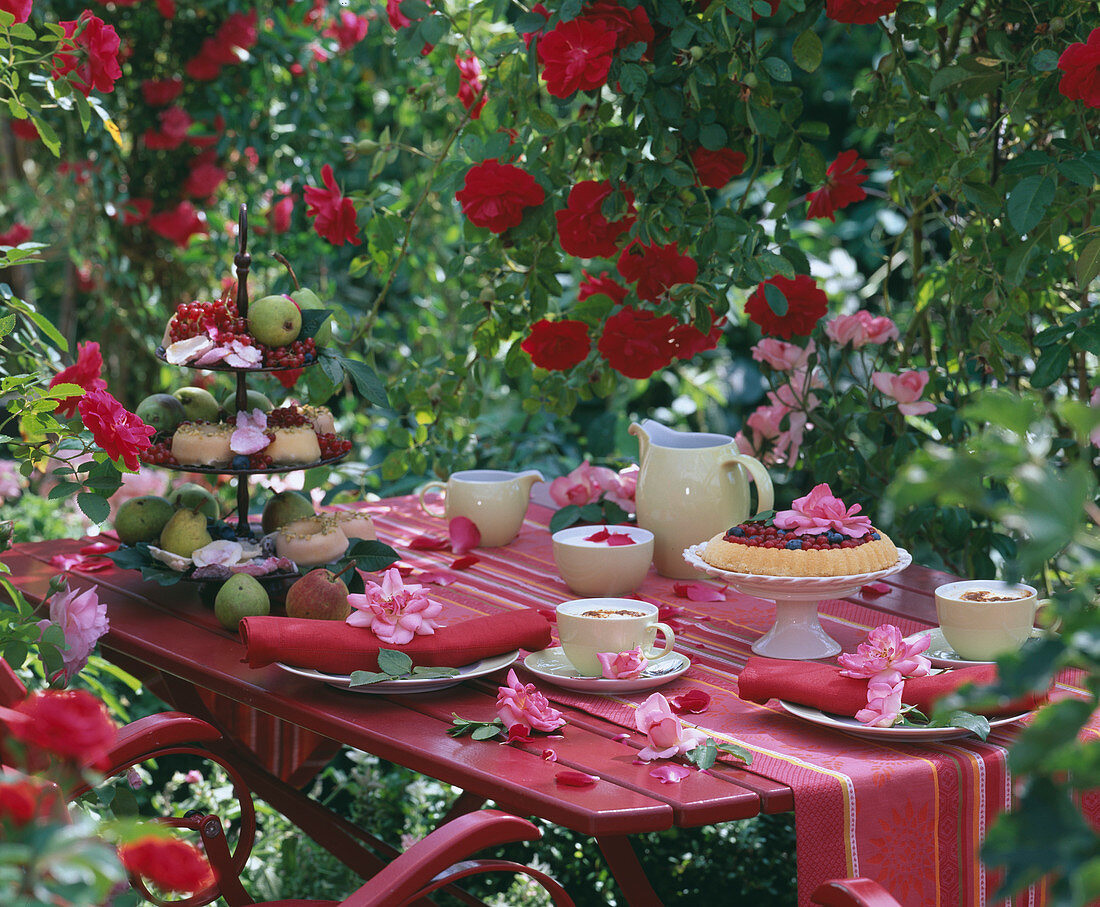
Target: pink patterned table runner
{"x":910,"y":815}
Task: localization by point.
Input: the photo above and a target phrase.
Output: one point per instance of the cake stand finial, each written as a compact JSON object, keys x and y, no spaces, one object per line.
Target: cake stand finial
{"x":243,"y":261}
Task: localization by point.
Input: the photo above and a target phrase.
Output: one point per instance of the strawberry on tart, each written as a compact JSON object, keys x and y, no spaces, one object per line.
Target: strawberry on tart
{"x":819,"y":536}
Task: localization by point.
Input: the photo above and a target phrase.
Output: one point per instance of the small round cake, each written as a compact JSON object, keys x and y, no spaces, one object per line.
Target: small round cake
{"x":294,"y":445}
{"x":819,"y":536}
{"x":320,"y":417}
{"x":312,"y":541}
{"x":202,"y":444}
{"x":355,"y":524}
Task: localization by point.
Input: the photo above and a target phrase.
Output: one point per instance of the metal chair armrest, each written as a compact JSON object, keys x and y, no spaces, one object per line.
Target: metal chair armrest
{"x":858,"y":892}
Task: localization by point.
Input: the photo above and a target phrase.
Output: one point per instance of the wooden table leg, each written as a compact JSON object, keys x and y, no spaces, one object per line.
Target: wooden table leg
{"x":628,"y":871}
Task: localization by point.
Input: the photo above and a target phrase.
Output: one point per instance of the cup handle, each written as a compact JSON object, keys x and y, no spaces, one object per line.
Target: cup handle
{"x":424,"y":504}
{"x":670,"y":641}
{"x":765,"y":494}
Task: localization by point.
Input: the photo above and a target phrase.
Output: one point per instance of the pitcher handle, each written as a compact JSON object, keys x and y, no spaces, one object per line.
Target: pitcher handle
{"x":424,"y":504}
{"x":765,"y":494}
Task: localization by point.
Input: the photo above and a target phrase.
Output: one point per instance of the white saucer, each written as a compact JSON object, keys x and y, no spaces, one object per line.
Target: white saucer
{"x":940,"y":653}
{"x":407,"y":684}
{"x":552,"y":666}
{"x":901,"y":732}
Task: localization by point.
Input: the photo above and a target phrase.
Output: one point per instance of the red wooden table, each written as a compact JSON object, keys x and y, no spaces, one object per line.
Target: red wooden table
{"x":292,"y":725}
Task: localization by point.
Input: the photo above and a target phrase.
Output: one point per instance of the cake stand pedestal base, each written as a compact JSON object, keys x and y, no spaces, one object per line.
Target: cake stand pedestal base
{"x":797,"y":633}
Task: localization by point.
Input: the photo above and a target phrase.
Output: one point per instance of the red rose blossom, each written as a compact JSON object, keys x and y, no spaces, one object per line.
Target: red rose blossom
{"x":115,"y":429}
{"x":17,"y":235}
{"x":470,"y":84}
{"x":806,"y":304}
{"x":179,"y":224}
{"x":631,"y":26}
{"x":686,"y":340}
{"x":21,"y":9}
{"x":24,"y":799}
{"x":90,"y":59}
{"x":1080,"y":65}
{"x":205,"y":176}
{"x":348,"y":28}
{"x":716,"y":168}
{"x":25,"y":129}
{"x":70,"y":724}
{"x":557,"y":345}
{"x":171,"y":864}
{"x":494,"y":195}
{"x":843,"y":186}
{"x":859,"y":12}
{"x":237,"y":31}
{"x":136,"y":210}
{"x":605,"y":284}
{"x":278,"y":217}
{"x":84,"y":372}
{"x":167,"y":8}
{"x":158,"y":92}
{"x":635,"y":342}
{"x":334,"y":215}
{"x":583,"y":230}
{"x":655,"y":268}
{"x":576,"y":56}
{"x":529,"y":36}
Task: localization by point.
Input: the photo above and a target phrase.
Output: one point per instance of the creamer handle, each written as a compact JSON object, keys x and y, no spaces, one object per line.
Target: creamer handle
{"x":643,"y":440}
{"x":765,"y":494}
{"x":424,"y":504}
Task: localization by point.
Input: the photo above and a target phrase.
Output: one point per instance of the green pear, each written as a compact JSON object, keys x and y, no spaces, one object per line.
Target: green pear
{"x":185,"y":533}
{"x":283,"y":508}
{"x":163,"y":411}
{"x":274,"y":320}
{"x":240,"y":596}
{"x":319,"y":595}
{"x":199,"y":404}
{"x":142,"y":519}
{"x":307,"y":299}
{"x":191,"y":495}
{"x":255,"y":399}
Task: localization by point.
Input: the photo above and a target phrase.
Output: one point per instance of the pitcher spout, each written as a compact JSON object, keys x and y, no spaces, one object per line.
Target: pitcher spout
{"x":529,"y":477}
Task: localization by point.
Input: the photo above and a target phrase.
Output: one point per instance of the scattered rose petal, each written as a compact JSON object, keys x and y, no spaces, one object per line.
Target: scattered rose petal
{"x":404,"y":569}
{"x":875,"y":589}
{"x":690,"y":702}
{"x":519,"y":733}
{"x":549,"y":755}
{"x":99,"y":548}
{"x":617,"y":539}
{"x":439,"y":579}
{"x":570,"y":778}
{"x":602,"y":536}
{"x":670,"y":773}
{"x":465,"y":562}
{"x":464,"y":534}
{"x":699,"y":592}
{"x":427,"y":543}
{"x":621,"y":737}
{"x":81,"y":563}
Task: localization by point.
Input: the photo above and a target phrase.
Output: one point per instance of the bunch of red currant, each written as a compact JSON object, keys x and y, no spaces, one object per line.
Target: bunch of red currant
{"x":294,"y":355}
{"x":286,"y":417}
{"x":332,"y":445}
{"x":194,"y":318}
{"x":159,"y":454}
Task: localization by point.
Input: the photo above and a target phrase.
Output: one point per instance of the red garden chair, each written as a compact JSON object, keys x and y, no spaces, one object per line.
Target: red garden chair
{"x":437,"y":861}
{"x":859,"y":892}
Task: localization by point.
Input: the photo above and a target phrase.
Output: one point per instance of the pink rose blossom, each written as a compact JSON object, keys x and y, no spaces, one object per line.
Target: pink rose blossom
{"x":906,"y":389}
{"x":780,"y":355}
{"x":521,"y":703}
{"x":622,"y":665}
{"x":665,"y":732}
{"x":860,"y":329}
{"x":883,"y":704}
{"x":581,"y":486}
{"x":886,"y":653}
{"x":83,"y":619}
{"x":251,"y":434}
{"x":819,"y":512}
{"x":393,"y":611}
{"x":627,"y":486}
{"x":767,"y":420}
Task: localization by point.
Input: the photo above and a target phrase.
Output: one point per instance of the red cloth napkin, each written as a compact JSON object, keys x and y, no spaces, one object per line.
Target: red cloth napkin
{"x":336,"y":648}
{"x":821,"y":686}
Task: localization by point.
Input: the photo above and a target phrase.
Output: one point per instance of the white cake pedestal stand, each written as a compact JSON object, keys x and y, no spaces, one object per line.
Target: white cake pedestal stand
{"x":797,"y":633}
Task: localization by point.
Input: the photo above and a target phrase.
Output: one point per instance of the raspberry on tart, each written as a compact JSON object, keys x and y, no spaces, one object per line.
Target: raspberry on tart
{"x":819,"y":536}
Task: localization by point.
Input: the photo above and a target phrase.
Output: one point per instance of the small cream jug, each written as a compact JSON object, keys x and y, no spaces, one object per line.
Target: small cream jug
{"x":692,"y":485}
{"x":494,"y":499}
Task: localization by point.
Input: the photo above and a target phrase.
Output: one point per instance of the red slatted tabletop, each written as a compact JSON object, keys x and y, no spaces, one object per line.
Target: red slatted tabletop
{"x":291,"y":724}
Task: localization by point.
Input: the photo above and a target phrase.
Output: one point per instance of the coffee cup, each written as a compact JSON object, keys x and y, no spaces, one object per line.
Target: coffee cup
{"x":981,"y":619}
{"x":496,"y":501}
{"x":588,"y":626}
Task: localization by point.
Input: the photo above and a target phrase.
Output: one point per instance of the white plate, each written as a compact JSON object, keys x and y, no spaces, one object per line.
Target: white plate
{"x":408,"y":684}
{"x":940,"y":653}
{"x":552,"y":666}
{"x":851,"y":726}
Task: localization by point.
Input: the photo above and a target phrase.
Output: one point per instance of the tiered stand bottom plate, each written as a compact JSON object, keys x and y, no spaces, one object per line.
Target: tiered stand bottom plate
{"x":797,"y":633}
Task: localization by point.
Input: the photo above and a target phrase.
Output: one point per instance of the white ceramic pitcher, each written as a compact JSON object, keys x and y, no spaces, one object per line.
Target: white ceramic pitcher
{"x":691,"y":486}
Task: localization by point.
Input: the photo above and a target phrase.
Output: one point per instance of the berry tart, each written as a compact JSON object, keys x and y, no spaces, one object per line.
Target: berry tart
{"x":819,"y":536}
